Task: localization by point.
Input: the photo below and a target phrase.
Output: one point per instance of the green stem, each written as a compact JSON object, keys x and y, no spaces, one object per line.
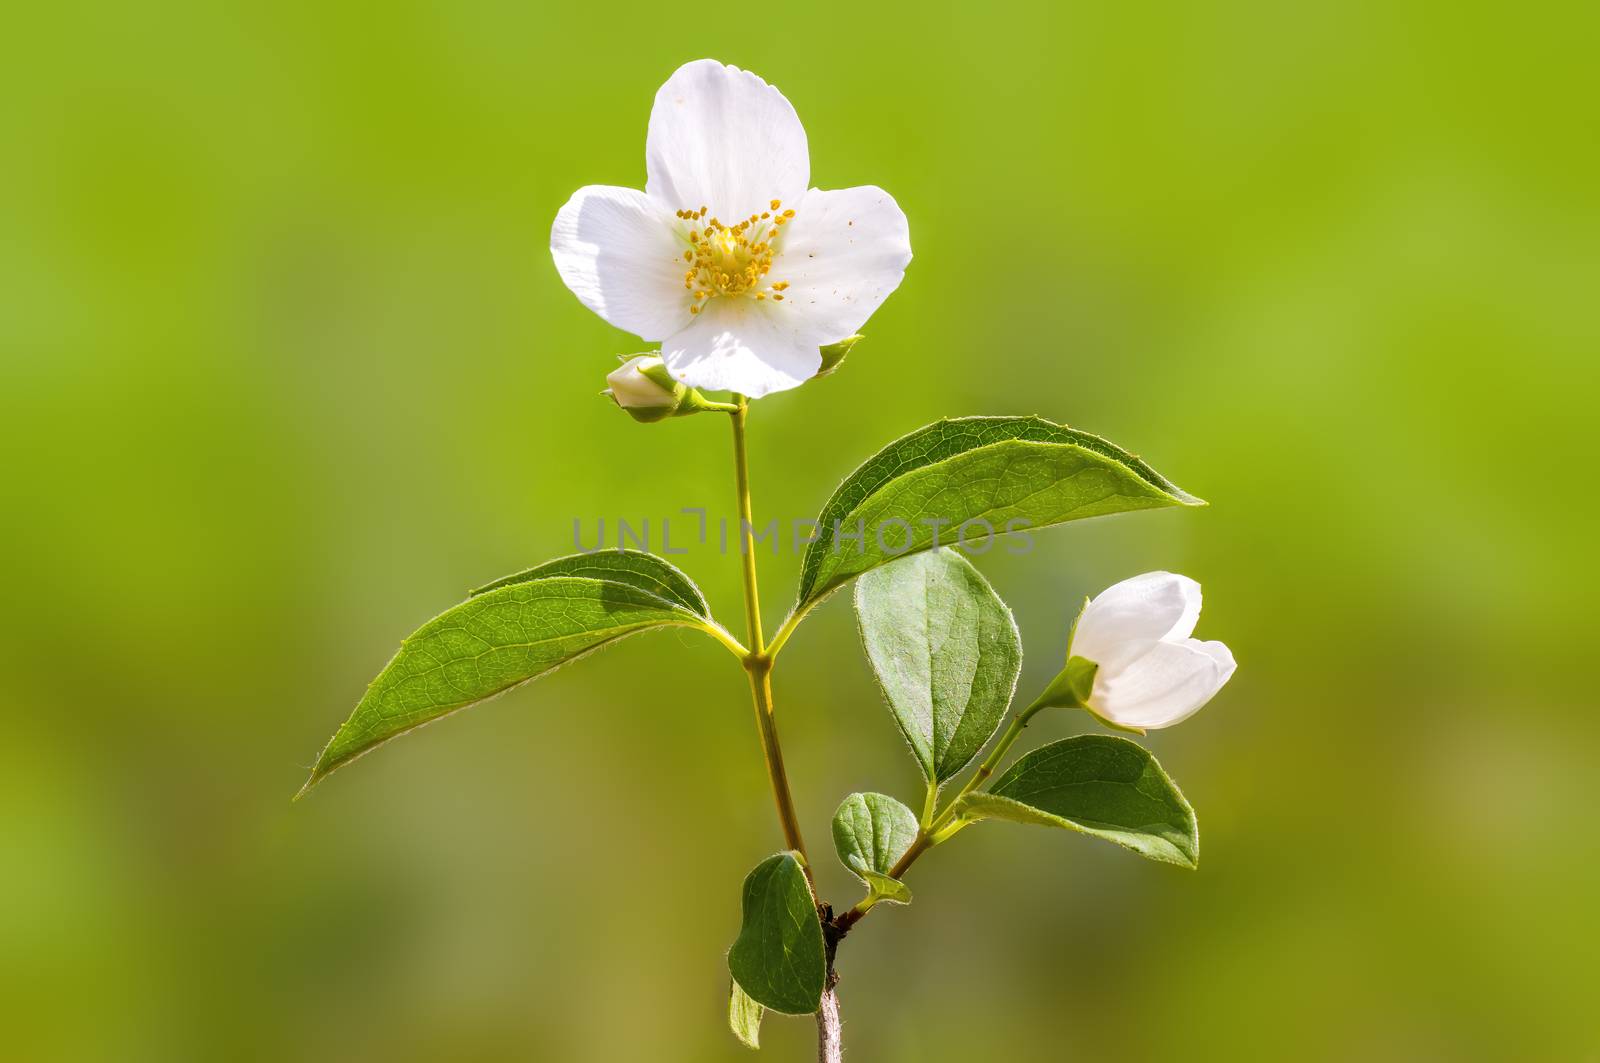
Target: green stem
{"x":786,"y":629}
{"x":986,"y":769}
{"x":741,"y":486}
{"x":757,"y":661}
{"x":929,"y":803}
{"x":734,"y":646}
{"x":766,"y":722}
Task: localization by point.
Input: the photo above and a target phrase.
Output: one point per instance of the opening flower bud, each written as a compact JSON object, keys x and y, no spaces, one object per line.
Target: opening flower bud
{"x":1132,"y":661}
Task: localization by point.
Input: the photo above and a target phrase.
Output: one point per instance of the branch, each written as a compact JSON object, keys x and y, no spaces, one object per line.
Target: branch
{"x":830,"y":1049}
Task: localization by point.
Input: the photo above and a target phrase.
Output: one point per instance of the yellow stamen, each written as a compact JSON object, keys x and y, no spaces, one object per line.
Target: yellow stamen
{"x":731,"y":260}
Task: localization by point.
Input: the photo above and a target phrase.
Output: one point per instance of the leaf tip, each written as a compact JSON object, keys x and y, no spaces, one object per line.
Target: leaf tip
{"x":321,"y":770}
{"x":1183,"y":498}
{"x":318,"y":773}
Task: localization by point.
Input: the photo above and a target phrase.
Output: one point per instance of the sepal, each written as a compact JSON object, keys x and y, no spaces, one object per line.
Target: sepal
{"x":834,"y":353}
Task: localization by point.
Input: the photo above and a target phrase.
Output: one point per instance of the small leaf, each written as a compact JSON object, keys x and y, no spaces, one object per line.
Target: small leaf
{"x":993,"y":469}
{"x":1108,"y":787}
{"x":633,"y":567}
{"x":778,"y":958}
{"x":871,"y":832}
{"x":744,"y":1016}
{"x":888,"y":889}
{"x":490,"y":644}
{"x":946,"y":653}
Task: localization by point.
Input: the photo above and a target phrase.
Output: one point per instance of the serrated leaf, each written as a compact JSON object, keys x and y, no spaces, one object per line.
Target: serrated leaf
{"x":744,"y":1016}
{"x":633,"y":567}
{"x":946,"y":653}
{"x":1107,"y":787}
{"x":490,"y":644}
{"x":996,"y":469}
{"x":778,"y":958}
{"x":871,"y":832}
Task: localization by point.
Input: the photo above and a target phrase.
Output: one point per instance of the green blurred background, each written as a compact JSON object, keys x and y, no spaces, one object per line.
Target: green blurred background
{"x":285,"y":368}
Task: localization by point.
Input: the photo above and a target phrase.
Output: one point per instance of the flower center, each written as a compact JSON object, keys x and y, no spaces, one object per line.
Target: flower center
{"x":732,"y":259}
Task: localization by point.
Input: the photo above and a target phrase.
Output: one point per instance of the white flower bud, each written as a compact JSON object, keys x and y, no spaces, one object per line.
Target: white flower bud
{"x":637,"y":384}
{"x":1149,"y":673}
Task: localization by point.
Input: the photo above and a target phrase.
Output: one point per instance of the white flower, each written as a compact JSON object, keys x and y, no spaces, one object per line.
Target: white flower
{"x":726,"y":258}
{"x":1151,"y":673}
{"x":632,"y":388}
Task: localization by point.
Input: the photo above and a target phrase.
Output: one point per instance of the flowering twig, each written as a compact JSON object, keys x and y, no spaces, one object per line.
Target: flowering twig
{"x":751,"y":296}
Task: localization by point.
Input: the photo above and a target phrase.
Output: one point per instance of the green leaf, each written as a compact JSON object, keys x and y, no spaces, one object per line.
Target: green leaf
{"x":744,"y":1016}
{"x":946,"y":653}
{"x":778,"y":958}
{"x":994,"y":469}
{"x":490,"y":644}
{"x":633,"y":567}
{"x":871,"y":832}
{"x":1095,"y":784}
{"x":888,"y":889}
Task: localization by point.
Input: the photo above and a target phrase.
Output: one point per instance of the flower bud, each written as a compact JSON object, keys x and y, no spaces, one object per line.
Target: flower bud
{"x":1132,"y":662}
{"x":642,"y":387}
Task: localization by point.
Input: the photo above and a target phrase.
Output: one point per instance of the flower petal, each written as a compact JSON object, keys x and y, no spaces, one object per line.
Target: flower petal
{"x":617,"y":251}
{"x":1219,"y":653}
{"x":722,"y":138}
{"x":1168,"y":683}
{"x":842,"y":255}
{"x":742,"y":345}
{"x":1123,"y":617}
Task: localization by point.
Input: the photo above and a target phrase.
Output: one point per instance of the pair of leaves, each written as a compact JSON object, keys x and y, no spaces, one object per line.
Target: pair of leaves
{"x":991,"y":471}
{"x":511,"y":631}
{"x":779,"y":960}
{"x":1098,"y":785}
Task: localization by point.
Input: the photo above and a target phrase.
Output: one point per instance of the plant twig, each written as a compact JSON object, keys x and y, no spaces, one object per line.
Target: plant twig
{"x":830,"y":1046}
